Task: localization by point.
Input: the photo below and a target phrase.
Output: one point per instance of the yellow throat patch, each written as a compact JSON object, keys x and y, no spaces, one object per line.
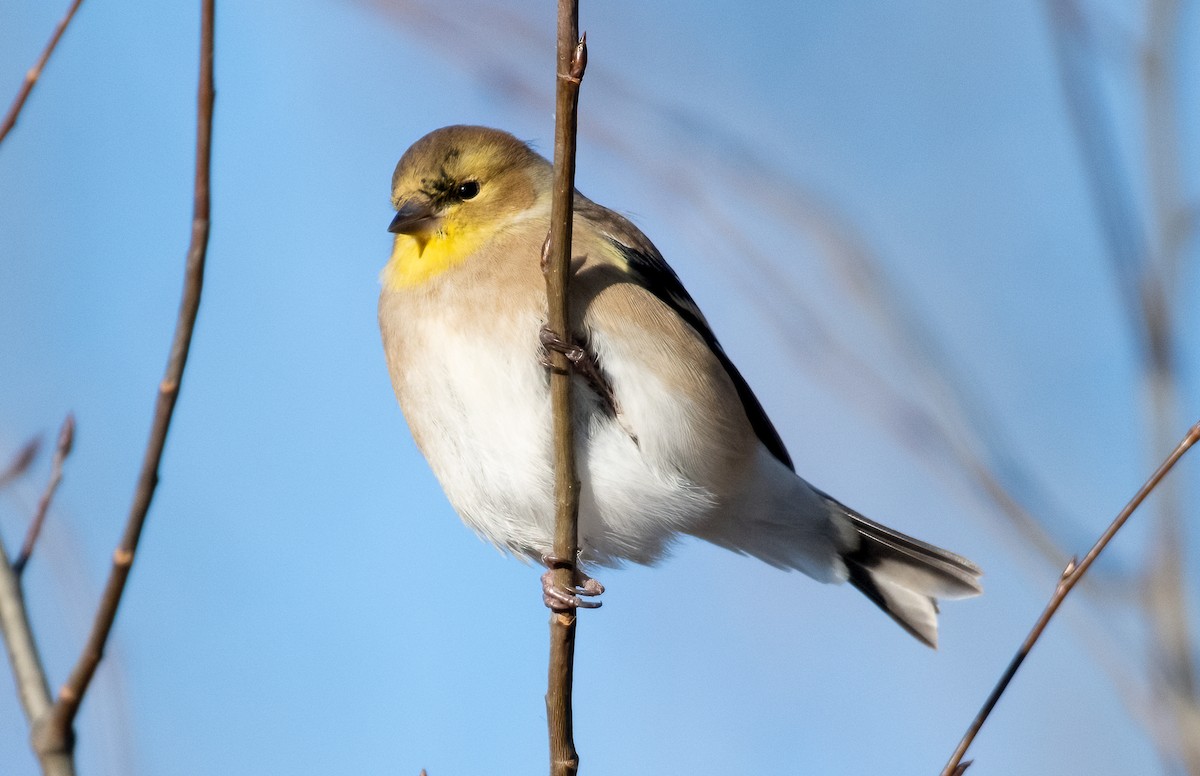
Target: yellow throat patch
{"x":417,"y":260}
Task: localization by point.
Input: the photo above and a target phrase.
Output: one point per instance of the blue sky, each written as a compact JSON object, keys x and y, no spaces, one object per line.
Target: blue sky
{"x":306,"y":601}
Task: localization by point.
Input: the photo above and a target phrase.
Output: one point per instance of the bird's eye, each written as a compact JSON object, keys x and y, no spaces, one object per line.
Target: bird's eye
{"x":468,"y":190}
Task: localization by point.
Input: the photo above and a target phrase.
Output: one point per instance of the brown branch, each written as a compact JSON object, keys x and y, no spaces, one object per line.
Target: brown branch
{"x":35,"y":72}
{"x":1070,"y":576}
{"x":21,"y":462}
{"x":66,"y":437}
{"x":572,"y":59}
{"x":56,"y":734}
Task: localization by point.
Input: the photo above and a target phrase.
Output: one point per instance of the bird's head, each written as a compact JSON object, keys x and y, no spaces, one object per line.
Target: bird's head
{"x":452,"y":190}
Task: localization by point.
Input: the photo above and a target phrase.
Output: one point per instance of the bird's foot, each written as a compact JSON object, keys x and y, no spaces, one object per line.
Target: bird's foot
{"x":559,"y":599}
{"x":583,"y":361}
{"x":578,"y":355}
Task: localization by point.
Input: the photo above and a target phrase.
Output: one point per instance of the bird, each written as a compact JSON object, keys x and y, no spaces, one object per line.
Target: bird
{"x":670,"y":440}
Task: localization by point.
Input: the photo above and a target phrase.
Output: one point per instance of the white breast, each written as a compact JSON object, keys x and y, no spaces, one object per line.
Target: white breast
{"x":478,"y":405}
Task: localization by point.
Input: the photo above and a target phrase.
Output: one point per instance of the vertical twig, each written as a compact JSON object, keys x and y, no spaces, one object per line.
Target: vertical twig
{"x":571,"y":60}
{"x":53,"y":736}
{"x":1070,"y":576}
{"x":66,"y":437}
{"x":35,"y":72}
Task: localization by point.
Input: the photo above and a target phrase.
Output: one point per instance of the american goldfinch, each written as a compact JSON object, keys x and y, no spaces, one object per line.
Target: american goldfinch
{"x":670,"y":438}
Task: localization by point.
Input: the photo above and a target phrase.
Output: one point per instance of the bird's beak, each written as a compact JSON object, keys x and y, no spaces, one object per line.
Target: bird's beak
{"x":415,"y":218}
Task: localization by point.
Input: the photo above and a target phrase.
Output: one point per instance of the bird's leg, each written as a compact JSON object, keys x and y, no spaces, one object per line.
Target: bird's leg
{"x":565,"y":600}
{"x":583,"y":361}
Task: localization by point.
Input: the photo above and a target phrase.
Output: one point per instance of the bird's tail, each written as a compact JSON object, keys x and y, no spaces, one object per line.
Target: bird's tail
{"x":904,"y":576}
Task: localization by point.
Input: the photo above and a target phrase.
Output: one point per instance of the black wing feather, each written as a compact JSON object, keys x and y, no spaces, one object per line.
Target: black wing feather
{"x":658,"y":278}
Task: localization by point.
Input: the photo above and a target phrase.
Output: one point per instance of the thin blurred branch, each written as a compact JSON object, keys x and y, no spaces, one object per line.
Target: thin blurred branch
{"x":1101,"y":161}
{"x":66,"y":437}
{"x":571,"y":61}
{"x":20,"y":462}
{"x":53,"y":733}
{"x":1172,"y":646}
{"x":1148,"y":270}
{"x":35,"y":72}
{"x":1070,"y":577}
{"x":1173,"y":220}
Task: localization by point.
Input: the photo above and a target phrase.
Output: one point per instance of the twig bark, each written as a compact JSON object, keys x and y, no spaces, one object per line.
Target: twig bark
{"x":572,"y":59}
{"x":1070,"y":576}
{"x":54,"y":735}
{"x":35,"y":72}
{"x":66,"y":437}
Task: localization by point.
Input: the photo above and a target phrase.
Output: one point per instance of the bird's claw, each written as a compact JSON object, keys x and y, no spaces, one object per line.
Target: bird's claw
{"x":552,"y":340}
{"x":585,"y":364}
{"x":559,"y":599}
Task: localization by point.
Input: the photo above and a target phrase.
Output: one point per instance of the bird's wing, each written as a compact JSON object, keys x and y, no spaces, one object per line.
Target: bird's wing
{"x":651,"y":271}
